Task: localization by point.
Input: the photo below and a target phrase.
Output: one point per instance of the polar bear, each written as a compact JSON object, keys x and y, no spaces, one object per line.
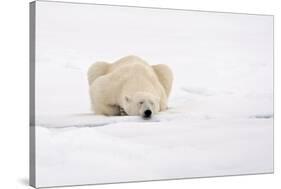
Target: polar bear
{"x":130,"y":86}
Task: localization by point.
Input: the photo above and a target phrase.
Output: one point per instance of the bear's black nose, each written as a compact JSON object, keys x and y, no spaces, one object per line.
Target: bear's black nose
{"x":147,"y":114}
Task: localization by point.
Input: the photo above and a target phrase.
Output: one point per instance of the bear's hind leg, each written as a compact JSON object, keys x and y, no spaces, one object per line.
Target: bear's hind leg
{"x":165,"y":77}
{"x":96,"y":70}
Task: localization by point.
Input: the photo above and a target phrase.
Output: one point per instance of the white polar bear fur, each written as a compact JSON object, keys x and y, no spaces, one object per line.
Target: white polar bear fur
{"x":130,"y":84}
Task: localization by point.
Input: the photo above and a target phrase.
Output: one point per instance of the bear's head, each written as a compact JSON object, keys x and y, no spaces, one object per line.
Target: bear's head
{"x":141,"y":103}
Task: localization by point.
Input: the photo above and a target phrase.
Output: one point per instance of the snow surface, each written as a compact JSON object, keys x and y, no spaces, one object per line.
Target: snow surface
{"x":220,"y":116}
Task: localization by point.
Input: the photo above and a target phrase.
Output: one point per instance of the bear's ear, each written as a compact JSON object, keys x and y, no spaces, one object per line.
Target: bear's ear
{"x":127,"y":99}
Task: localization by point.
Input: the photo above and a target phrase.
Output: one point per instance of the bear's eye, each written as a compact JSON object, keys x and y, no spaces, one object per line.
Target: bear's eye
{"x":141,"y":102}
{"x":152,"y":104}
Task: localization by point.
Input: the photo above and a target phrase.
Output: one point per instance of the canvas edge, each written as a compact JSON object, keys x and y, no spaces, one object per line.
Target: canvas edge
{"x":273,"y":83}
{"x":32,"y":124}
{"x":32,"y":157}
{"x":152,"y":7}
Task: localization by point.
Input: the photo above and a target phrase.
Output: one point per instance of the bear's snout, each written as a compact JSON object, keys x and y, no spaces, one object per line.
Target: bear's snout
{"x":147,"y":114}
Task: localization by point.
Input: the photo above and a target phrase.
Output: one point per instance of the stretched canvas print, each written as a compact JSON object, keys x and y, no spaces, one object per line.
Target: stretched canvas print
{"x":125,"y":94}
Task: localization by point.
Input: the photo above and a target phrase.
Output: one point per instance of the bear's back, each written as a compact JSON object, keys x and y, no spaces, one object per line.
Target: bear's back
{"x":132,"y":67}
{"x":129,"y":62}
{"x":133,"y":74}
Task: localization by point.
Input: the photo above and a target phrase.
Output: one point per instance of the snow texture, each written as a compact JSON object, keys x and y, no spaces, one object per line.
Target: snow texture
{"x":220,"y":116}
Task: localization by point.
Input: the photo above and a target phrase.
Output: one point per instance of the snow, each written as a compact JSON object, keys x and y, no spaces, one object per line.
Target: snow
{"x":220,"y":116}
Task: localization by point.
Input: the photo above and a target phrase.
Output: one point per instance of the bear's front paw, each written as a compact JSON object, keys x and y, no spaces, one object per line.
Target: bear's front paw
{"x":122,"y":112}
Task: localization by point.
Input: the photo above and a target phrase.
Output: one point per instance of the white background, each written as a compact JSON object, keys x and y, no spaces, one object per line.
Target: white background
{"x":14,"y":94}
